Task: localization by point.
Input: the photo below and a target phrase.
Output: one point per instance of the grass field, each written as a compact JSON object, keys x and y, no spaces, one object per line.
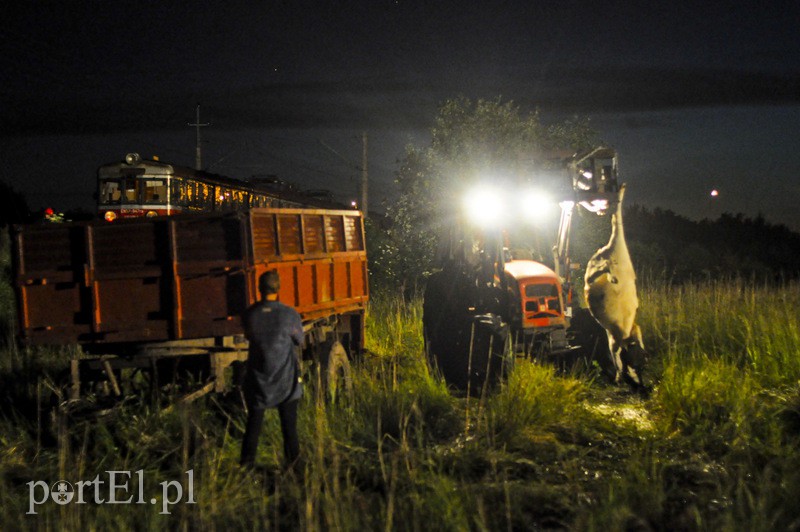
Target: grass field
{"x":714,"y":448}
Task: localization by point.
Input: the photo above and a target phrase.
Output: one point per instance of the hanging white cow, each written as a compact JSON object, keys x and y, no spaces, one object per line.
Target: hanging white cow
{"x":610,"y":290}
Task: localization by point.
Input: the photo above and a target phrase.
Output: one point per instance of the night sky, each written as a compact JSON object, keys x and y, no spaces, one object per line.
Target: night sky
{"x":695,"y":96}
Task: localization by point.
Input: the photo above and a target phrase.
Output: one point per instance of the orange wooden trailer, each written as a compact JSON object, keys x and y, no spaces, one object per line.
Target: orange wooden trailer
{"x":149,"y":289}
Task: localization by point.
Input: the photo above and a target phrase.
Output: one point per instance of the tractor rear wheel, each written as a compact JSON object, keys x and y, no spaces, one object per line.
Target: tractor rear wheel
{"x":471,"y":352}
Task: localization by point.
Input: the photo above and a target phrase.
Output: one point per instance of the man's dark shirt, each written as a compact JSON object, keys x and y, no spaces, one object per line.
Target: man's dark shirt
{"x":273,"y":329}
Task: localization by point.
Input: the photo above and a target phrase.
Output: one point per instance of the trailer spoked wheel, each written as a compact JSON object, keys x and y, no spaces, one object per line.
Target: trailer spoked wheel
{"x":336,"y":372}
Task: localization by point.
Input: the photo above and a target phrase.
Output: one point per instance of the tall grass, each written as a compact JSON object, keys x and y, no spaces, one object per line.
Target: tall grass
{"x":532,"y":398}
{"x":715,"y":448}
{"x":753,"y":326}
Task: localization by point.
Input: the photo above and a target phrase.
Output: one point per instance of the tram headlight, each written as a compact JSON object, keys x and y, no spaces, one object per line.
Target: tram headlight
{"x":151,"y":214}
{"x":110,"y":216}
{"x":133,"y":158}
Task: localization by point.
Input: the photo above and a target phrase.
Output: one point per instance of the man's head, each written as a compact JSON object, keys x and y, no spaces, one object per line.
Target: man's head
{"x":269,"y":283}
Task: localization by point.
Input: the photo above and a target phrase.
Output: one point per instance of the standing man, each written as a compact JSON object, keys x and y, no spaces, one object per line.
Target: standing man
{"x":273,"y":373}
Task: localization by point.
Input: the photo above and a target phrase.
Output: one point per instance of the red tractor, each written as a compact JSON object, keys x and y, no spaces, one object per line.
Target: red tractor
{"x":489,"y":303}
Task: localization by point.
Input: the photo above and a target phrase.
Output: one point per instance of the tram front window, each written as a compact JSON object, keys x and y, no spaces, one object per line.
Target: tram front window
{"x":129,"y":190}
{"x":132,"y":191}
{"x":110,"y":193}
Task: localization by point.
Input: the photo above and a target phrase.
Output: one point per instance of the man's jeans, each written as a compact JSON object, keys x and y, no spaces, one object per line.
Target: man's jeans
{"x":255,"y":420}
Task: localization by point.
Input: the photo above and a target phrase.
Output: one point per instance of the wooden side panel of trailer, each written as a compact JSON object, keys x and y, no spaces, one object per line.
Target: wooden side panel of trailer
{"x":52,"y":300}
{"x":183,"y":277}
{"x":127,"y":267}
{"x":319,"y":255}
{"x":209,"y":278}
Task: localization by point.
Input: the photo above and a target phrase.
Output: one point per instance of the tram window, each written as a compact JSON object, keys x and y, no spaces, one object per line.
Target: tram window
{"x":155,"y":191}
{"x":236,"y":198}
{"x":191,"y":193}
{"x":199,"y":195}
{"x":177,"y":191}
{"x":110,"y":192}
{"x":130,"y":188}
{"x":223,"y":200}
{"x":205,"y":197}
{"x":208,"y":195}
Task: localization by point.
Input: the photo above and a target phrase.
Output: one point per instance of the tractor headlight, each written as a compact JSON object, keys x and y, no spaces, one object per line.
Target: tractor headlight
{"x":535,"y":205}
{"x":484,"y":206}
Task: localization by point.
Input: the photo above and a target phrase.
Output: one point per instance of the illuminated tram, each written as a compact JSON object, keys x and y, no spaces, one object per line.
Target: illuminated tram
{"x":136,"y":187}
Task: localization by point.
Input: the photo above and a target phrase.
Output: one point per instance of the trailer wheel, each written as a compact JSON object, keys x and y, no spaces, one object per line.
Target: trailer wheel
{"x":337,"y":373}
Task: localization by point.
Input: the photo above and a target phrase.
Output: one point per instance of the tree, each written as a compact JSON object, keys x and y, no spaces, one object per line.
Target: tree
{"x":470,"y":141}
{"x":401,"y":253}
{"x":13,"y":207}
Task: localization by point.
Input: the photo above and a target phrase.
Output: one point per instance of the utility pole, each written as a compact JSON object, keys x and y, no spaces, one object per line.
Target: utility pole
{"x":362,"y":189}
{"x":198,"y":161}
{"x":364,"y":175}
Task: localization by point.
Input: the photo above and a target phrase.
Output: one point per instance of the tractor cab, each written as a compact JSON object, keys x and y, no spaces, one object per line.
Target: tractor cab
{"x":536,"y":304}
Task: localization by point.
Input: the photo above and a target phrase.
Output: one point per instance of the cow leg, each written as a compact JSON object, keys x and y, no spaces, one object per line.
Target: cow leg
{"x":633,"y":359}
{"x":615,"y":349}
{"x":636,"y":334}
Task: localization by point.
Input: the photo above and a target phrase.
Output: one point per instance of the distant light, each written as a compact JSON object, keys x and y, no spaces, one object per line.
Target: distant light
{"x":49,"y":211}
{"x":714,"y":193}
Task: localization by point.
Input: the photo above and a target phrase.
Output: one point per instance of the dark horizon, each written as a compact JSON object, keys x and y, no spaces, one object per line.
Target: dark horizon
{"x":693,"y":98}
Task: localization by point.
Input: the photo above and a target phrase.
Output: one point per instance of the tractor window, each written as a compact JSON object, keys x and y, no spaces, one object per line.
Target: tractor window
{"x":606,"y":178}
{"x":541,"y":290}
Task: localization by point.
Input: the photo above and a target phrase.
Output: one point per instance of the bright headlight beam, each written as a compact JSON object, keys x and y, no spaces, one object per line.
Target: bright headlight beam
{"x":535,"y":205}
{"x":484,"y":206}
